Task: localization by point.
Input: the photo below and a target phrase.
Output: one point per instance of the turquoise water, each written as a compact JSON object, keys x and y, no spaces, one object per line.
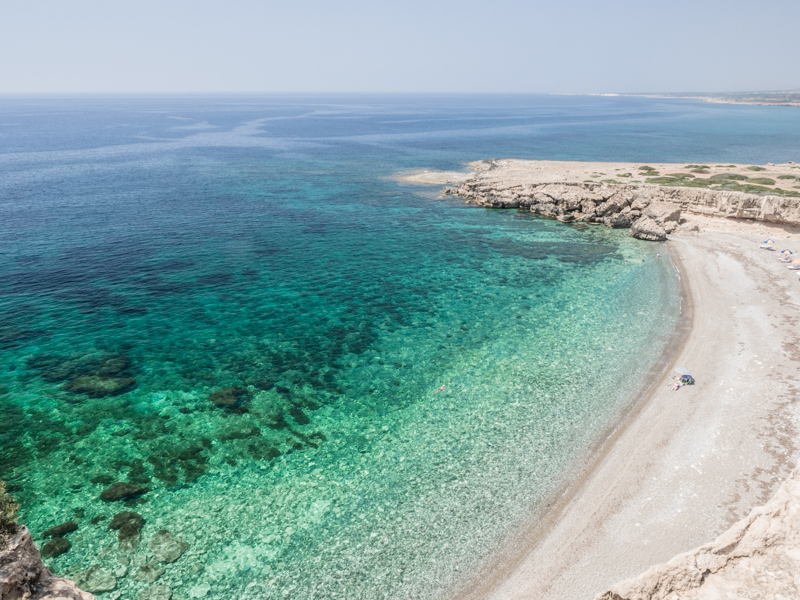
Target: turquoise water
{"x":157,"y":251}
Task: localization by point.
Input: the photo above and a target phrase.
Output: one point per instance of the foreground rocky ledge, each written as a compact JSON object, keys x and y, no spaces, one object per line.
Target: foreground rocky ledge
{"x":24,"y":576}
{"x":574,"y":192}
{"x":759,"y":557}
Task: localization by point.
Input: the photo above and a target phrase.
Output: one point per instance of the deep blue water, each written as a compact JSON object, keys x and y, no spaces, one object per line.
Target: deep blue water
{"x":231,"y":303}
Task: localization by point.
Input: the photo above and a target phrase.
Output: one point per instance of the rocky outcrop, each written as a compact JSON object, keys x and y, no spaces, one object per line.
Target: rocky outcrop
{"x":625,"y":205}
{"x":759,"y":557}
{"x":23,"y":575}
{"x":647,"y":229}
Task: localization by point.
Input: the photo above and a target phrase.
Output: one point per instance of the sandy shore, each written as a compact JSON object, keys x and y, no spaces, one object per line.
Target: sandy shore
{"x":686,"y":464}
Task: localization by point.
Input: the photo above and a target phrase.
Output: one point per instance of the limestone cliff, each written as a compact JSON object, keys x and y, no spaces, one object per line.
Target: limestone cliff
{"x":759,"y":557}
{"x":24,"y":576}
{"x":504,"y":184}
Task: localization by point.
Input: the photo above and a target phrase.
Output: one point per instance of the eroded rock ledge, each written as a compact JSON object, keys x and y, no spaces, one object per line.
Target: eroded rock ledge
{"x":759,"y":557}
{"x":24,"y":576}
{"x":650,"y":211}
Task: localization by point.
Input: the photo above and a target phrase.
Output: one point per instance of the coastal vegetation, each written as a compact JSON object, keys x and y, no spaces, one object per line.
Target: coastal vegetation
{"x":731,"y":182}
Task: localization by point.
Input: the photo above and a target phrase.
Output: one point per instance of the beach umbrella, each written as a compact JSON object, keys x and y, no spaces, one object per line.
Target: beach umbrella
{"x":683,"y":371}
{"x":769,"y":242}
{"x":787,"y":252}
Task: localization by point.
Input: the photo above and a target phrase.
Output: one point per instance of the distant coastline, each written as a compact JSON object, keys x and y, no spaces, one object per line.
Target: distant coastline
{"x":782,"y":98}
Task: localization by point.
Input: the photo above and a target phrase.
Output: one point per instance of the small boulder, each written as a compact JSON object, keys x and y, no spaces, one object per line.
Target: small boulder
{"x":645,"y":228}
{"x":547,"y":210}
{"x":95,"y":579}
{"x":55,"y":547}
{"x":61,"y":530}
{"x":167,"y":548}
{"x":670,"y":226}
{"x":607,"y":208}
{"x":618,"y":220}
{"x":662,"y":212}
{"x":566,"y":218}
{"x":121,"y":491}
{"x":689,"y":228}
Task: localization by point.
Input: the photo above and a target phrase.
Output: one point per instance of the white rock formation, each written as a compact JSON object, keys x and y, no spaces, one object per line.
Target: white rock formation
{"x":758,"y":558}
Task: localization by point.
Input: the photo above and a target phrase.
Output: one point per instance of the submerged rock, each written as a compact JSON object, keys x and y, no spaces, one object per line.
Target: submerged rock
{"x":55,"y":547}
{"x":126,"y":517}
{"x":230,"y":397}
{"x":95,"y":579}
{"x":166,"y":548}
{"x":96,"y":386}
{"x":61,"y":530}
{"x":645,"y":228}
{"x":92,"y":375}
{"x":121,"y":491}
{"x":129,"y":525}
{"x":156,"y":592}
{"x":149,"y":573}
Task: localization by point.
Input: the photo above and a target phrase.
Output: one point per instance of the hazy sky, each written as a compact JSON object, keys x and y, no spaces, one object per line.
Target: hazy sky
{"x":410,"y":46}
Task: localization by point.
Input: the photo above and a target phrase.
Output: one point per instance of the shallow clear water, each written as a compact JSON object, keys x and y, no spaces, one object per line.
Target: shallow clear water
{"x":157,"y":251}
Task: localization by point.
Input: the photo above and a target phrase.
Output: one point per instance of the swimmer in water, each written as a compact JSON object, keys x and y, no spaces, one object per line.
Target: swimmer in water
{"x":441,"y":389}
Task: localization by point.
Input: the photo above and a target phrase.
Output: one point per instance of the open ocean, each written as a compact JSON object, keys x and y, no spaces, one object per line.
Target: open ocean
{"x":230,"y":302}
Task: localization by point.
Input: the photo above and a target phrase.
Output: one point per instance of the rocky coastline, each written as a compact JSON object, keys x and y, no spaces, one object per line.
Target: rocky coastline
{"x":24,"y":576}
{"x":650,"y":211}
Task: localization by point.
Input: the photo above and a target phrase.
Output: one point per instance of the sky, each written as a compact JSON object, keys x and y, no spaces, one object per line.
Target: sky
{"x":414,"y":46}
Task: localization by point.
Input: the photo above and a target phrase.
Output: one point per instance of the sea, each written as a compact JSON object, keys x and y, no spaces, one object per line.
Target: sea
{"x":317,"y":381}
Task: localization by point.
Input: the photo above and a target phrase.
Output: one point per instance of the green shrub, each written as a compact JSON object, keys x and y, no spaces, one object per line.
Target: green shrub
{"x":664,"y":180}
{"x":646,"y":168}
{"x":695,"y":167}
{"x":754,"y":168}
{"x":611,"y":181}
{"x":703,"y":171}
{"x":623,"y":175}
{"x":8,"y":512}
{"x":726,"y":166}
{"x":729,"y":177}
{"x":759,"y":190}
{"x":787,"y":177}
{"x":761,"y":180}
